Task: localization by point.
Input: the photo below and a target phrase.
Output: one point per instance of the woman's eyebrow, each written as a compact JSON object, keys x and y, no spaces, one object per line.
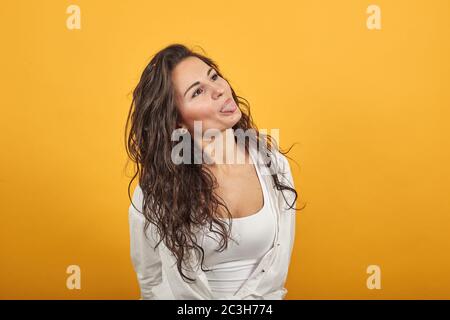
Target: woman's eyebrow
{"x":197,"y":82}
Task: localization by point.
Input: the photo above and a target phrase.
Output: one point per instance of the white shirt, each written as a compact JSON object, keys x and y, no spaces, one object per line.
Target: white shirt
{"x":156,"y":270}
{"x":230,"y":268}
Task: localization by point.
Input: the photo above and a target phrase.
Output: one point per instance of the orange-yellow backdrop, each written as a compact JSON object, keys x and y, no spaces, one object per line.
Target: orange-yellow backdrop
{"x":368,"y":108}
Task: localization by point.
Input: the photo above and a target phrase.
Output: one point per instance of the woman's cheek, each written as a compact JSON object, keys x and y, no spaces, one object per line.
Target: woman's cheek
{"x":204,"y":112}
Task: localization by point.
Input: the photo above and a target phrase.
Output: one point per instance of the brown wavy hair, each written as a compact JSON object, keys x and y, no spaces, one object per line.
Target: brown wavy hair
{"x":167,"y":188}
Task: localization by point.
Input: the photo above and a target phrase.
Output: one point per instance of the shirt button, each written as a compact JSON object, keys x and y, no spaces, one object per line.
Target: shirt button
{"x":263,"y":270}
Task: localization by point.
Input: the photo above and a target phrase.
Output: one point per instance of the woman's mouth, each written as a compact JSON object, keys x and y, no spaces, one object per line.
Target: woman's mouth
{"x":229,"y":106}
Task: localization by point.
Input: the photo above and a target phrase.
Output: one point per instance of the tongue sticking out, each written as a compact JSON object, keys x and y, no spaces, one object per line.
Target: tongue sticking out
{"x":229,"y":107}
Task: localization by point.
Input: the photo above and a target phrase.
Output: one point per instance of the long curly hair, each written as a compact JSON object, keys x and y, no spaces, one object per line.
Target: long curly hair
{"x":167,"y":188}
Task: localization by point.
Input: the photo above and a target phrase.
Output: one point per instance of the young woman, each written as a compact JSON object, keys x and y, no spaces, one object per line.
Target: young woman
{"x":205,"y":229}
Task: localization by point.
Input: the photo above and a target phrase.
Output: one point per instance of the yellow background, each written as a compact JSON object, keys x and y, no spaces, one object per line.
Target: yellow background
{"x":368,"y":108}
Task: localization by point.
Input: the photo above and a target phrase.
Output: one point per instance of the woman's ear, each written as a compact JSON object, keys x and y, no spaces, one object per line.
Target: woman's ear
{"x":180,"y":125}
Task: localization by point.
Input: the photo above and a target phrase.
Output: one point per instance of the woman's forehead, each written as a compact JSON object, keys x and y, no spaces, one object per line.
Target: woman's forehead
{"x":187,"y":72}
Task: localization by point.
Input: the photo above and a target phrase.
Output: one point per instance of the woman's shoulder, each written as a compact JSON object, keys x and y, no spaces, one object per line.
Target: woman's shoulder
{"x":282,"y":161}
{"x":279,"y":161}
{"x":135,"y":208}
{"x":283,"y":168}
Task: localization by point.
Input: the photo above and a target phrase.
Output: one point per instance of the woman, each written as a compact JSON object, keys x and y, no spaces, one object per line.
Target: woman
{"x":182,"y":216}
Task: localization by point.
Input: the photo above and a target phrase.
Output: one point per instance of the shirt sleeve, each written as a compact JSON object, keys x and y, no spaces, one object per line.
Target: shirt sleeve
{"x":144,"y":256}
{"x":288,"y":179}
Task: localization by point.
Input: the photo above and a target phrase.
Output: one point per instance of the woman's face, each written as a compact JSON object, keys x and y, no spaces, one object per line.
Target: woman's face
{"x":200,"y":95}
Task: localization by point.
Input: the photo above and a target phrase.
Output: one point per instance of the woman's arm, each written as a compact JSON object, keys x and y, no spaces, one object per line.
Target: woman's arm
{"x":145,"y":257}
{"x":291,"y":198}
{"x":287,"y":178}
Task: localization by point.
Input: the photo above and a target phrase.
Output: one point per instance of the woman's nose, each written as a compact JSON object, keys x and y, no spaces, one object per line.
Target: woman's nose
{"x":218,"y":91}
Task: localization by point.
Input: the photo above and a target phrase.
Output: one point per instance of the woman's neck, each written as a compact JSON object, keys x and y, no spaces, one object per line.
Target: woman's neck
{"x":225,"y":152}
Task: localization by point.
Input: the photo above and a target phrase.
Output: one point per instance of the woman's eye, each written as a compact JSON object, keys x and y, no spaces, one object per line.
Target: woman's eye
{"x":194,"y":95}
{"x":215,"y":75}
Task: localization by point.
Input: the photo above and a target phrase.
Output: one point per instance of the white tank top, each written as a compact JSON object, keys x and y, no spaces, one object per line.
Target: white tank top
{"x":254,"y":235}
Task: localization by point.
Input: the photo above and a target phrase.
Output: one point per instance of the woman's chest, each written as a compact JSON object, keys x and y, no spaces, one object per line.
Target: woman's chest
{"x":241,"y":191}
